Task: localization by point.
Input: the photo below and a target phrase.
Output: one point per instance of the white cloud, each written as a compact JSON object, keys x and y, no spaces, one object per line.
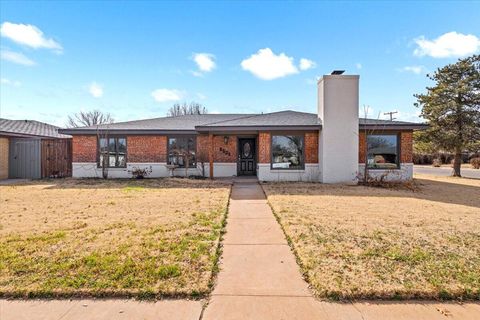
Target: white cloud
{"x":408,"y":116}
{"x":9,"y":82}
{"x":197,"y":73}
{"x":204,"y":61}
{"x":201,"y":96}
{"x":306,"y":64}
{"x":312,"y":81}
{"x":267,"y":65}
{"x":96,"y":90}
{"x":414,"y":69}
{"x":358,"y":65}
{"x":165,"y":95}
{"x":451,"y":44}
{"x":28,"y":35}
{"x":16,"y":57}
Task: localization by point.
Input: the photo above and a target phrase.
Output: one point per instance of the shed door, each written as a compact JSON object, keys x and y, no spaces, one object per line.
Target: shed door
{"x":24,"y":159}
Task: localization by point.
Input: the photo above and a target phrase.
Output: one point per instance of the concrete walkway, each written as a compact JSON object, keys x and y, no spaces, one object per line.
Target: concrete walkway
{"x":259,"y":279}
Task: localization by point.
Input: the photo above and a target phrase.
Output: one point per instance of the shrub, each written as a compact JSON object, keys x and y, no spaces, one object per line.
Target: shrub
{"x":140,"y":173}
{"x":475,"y":162}
{"x":419,"y":158}
{"x":437,"y":162}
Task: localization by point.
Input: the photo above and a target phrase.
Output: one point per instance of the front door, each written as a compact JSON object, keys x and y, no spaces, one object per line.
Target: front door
{"x":246,"y":157}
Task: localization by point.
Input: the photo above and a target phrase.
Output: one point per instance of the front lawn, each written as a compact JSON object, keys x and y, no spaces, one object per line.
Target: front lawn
{"x":142,"y":238}
{"x":364,"y":242}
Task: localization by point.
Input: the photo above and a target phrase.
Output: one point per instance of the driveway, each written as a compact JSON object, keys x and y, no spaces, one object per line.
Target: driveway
{"x":446,"y":171}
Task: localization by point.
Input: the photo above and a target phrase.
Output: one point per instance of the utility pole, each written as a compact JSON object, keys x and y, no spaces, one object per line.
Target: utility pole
{"x":391,"y":113}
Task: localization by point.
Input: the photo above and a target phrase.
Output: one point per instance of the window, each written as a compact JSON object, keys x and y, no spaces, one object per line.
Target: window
{"x":114,"y":151}
{"x":287,"y":152}
{"x":382,"y":151}
{"x":179,"y":148}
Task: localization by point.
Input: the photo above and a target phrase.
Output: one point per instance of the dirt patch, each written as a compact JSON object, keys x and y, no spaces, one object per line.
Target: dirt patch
{"x":149,"y":238}
{"x":364,"y":242}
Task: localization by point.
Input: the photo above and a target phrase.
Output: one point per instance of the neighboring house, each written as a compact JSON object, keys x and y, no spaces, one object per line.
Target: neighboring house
{"x":33,"y":150}
{"x":330,"y":146}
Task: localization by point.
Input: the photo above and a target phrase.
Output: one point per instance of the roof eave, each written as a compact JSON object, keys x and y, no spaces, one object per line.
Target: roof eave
{"x":28,"y":135}
{"x":257,"y":128}
{"x":392,"y":126}
{"x":73,"y":131}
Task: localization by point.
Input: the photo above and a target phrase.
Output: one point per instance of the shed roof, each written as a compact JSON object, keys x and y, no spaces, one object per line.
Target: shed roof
{"x":29,"y":128}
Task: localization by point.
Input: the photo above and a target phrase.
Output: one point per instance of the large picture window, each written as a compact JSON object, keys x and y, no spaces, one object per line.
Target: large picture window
{"x":114,"y":151}
{"x":179,"y":148}
{"x":287,"y":152}
{"x":382,"y":151}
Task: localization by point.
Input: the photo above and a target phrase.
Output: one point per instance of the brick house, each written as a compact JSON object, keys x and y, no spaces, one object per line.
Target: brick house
{"x":331,"y":146}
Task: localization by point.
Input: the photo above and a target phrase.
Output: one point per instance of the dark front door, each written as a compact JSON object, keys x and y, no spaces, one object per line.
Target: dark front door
{"x":246,"y":157}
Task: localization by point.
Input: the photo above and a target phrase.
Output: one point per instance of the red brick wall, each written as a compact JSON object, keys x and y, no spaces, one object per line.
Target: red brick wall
{"x":264,"y":142}
{"x":311,"y":147}
{"x":146,"y":148}
{"x":225,"y":152}
{"x":84,"y":148}
{"x":406,"y":145}
{"x":202,"y":148}
{"x":362,"y":147}
{"x":221,"y":152}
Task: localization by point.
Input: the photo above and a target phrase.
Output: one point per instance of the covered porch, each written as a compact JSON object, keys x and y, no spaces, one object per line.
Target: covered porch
{"x":279,"y":155}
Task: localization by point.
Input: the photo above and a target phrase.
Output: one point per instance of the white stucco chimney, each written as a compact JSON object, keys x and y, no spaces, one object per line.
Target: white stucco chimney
{"x":338,"y":139}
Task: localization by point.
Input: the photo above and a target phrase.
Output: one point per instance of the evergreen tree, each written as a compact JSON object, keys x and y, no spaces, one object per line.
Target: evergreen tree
{"x":452,"y":108}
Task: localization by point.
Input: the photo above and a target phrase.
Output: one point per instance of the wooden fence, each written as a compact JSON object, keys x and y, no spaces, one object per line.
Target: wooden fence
{"x":56,"y":158}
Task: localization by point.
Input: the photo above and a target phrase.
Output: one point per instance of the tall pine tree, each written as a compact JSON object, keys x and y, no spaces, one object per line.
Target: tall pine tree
{"x":452,"y":108}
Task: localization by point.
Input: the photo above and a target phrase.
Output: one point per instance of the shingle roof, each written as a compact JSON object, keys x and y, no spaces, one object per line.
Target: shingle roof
{"x":363,"y":121}
{"x":389,"y":124}
{"x":186,"y":122}
{"x":281,"y":118}
{"x":29,"y":128}
{"x":205,"y":122}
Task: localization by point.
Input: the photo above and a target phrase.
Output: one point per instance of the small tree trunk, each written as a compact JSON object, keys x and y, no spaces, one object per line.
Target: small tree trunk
{"x":365,"y":159}
{"x":105,"y":166}
{"x":457,"y":162}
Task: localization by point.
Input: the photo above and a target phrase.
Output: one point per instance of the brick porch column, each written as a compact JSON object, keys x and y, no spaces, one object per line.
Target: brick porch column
{"x":210,"y":153}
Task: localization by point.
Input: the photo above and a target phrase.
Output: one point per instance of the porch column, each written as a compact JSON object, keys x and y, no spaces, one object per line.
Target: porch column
{"x":210,"y":153}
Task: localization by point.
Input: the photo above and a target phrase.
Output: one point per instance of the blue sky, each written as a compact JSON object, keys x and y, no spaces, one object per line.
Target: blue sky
{"x":135,"y":59}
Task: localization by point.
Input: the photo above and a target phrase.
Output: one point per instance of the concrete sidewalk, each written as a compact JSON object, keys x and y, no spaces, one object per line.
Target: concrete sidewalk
{"x":99,"y":309}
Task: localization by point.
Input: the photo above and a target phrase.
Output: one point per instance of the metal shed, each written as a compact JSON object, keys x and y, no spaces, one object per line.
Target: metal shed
{"x":24,"y":158}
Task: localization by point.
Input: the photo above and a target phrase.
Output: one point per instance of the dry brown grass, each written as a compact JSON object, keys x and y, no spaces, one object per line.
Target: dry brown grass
{"x":144,"y":238}
{"x":364,"y":242}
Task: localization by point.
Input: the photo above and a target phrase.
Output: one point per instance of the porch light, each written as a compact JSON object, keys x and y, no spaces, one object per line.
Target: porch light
{"x":225,"y":139}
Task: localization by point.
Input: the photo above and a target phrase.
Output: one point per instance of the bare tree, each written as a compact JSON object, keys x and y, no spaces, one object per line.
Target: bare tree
{"x":202,"y":158}
{"x":367,"y":132}
{"x":185,"y":109}
{"x":88,"y":118}
{"x":102,"y":135}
